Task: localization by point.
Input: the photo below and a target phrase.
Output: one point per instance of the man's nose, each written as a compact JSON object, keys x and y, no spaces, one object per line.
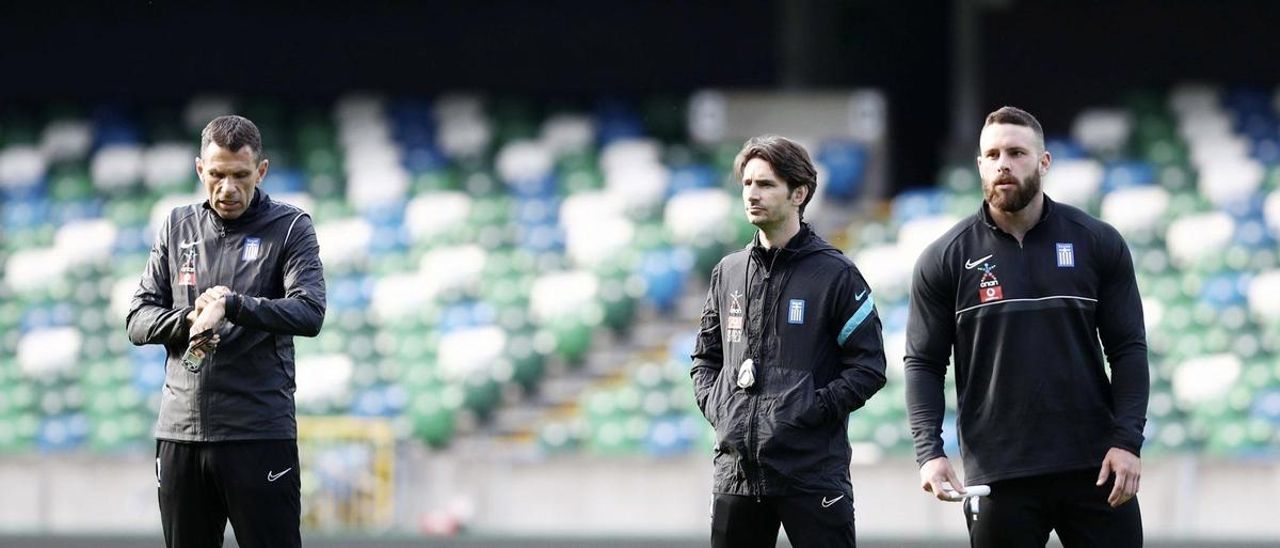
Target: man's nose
{"x":1002,"y":164}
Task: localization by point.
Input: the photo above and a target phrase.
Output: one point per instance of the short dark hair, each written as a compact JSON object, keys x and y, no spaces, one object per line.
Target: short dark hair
{"x":232,"y":132}
{"x":789,"y":160}
{"x":1017,"y":117}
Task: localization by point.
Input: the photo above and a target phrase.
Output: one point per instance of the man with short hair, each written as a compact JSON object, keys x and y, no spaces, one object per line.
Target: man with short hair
{"x":1021,"y":293}
{"x":790,"y":344}
{"x":228,"y":285}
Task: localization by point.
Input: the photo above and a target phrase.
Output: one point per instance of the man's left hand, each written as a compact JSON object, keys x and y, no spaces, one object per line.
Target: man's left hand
{"x":1128,"y":470}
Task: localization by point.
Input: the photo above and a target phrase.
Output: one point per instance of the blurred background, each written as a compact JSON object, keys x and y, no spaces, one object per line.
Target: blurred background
{"x":518,"y":206}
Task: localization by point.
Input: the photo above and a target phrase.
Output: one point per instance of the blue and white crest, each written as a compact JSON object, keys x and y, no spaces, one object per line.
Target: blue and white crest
{"x":795,"y":312}
{"x":251,"y":248}
{"x":1066,"y":255}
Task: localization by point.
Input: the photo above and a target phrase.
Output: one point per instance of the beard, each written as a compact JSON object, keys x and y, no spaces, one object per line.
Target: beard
{"x":1012,"y":201}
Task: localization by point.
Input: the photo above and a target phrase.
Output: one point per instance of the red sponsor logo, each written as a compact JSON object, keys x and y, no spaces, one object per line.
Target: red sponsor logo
{"x":987,"y":294}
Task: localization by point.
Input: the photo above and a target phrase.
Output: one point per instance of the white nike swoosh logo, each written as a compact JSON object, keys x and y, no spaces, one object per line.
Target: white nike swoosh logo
{"x":827,"y":503}
{"x":859,"y":296}
{"x":968,"y":265}
{"x":273,"y":477}
{"x":185,"y":245}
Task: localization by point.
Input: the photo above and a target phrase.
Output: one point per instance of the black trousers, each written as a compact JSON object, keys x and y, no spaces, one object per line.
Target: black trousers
{"x":255,"y":484}
{"x":1021,"y":512}
{"x":810,"y":521}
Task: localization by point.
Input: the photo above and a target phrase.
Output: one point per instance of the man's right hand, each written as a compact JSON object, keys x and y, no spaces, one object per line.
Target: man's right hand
{"x":213,"y":293}
{"x":936,"y":471}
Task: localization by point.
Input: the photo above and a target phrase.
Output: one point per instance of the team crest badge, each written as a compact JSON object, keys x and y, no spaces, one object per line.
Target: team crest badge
{"x":251,"y":248}
{"x":1066,"y":255}
{"x":795,"y":312}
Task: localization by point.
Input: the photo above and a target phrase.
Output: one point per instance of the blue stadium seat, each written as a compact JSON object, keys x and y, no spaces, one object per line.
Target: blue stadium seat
{"x":845,"y":162}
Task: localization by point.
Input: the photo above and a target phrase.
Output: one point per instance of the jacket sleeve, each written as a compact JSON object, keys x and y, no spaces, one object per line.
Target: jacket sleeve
{"x":861,"y":347}
{"x":708,"y":352}
{"x":1124,"y":339}
{"x":152,"y":318}
{"x":301,"y":310}
{"x":930,"y":337}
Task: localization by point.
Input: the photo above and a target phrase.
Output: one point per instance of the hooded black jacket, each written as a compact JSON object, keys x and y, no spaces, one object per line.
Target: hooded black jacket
{"x":270,"y":259}
{"x":807,"y":319}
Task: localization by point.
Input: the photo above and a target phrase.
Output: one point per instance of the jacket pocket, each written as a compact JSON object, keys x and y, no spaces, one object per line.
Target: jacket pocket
{"x":708,"y":405}
{"x":815,"y":412}
{"x":798,"y":405}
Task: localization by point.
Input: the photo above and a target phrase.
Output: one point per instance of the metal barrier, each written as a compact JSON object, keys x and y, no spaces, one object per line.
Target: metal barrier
{"x":348,"y":473}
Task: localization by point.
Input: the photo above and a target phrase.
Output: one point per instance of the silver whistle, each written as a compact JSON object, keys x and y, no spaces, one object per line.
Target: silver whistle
{"x":747,"y":374}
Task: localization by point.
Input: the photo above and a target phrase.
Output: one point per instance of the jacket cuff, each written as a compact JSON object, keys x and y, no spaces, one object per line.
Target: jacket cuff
{"x":183,"y":332}
{"x":232,"y":311}
{"x":928,"y":455}
{"x":1127,"y":444}
{"x":825,"y":406}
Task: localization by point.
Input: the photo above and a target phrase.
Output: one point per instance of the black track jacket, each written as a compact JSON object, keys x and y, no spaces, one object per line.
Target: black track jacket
{"x":270,"y":259}
{"x":1024,"y":323}
{"x":806,"y":317}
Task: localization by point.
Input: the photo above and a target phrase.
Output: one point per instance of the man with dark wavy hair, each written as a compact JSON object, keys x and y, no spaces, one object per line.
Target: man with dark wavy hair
{"x":790,"y":344}
{"x":229,"y":283}
{"x":1029,"y":295}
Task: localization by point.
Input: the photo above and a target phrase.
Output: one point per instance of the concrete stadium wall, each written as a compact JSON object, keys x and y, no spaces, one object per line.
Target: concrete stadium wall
{"x":1183,"y":498}
{"x":498,"y":542}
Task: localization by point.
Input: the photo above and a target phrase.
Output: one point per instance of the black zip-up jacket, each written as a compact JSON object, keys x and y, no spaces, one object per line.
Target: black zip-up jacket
{"x":805,"y":316}
{"x":270,"y":259}
{"x":1024,"y":322}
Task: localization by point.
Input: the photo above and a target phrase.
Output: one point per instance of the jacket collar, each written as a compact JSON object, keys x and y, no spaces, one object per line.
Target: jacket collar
{"x":985,"y":215}
{"x":259,"y":203}
{"x":805,"y":242}
{"x":798,"y":241}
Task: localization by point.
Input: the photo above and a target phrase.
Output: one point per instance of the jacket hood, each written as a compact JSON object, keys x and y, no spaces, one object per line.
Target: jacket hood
{"x":805,"y":242}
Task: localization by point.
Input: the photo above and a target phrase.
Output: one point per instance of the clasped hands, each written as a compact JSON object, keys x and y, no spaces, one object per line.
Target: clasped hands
{"x":210,"y":310}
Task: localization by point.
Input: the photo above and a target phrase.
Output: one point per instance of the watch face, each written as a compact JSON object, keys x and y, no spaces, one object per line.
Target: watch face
{"x":192,"y":359}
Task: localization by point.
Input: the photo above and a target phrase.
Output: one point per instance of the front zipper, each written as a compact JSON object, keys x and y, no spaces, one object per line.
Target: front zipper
{"x":218,"y":278}
{"x":756,"y":482}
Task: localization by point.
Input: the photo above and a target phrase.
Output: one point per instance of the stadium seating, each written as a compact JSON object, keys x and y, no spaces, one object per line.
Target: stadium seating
{"x":473,"y":245}
{"x":468,"y":243}
{"x":1187,"y":179}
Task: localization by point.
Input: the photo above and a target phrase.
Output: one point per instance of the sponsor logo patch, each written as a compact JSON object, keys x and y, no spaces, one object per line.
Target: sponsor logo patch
{"x":989,"y":286}
{"x":187,"y":271}
{"x":734,"y":321}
